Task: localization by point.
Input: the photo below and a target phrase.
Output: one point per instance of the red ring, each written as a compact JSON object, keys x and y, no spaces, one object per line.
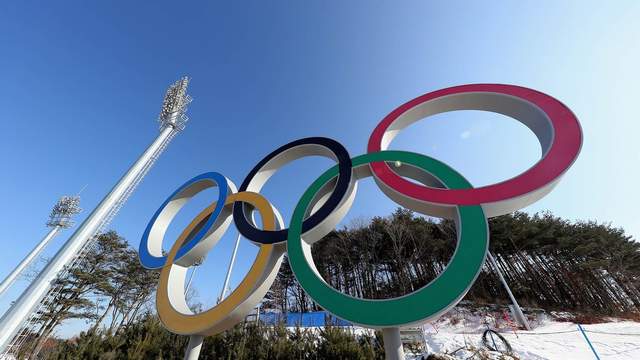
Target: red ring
{"x":567,"y":141}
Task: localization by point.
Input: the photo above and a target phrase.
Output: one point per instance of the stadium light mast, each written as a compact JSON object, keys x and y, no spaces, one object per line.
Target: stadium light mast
{"x":60,"y":218}
{"x":172,"y":120}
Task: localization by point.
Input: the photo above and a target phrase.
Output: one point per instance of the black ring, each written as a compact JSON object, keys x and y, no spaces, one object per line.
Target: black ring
{"x":260,"y":236}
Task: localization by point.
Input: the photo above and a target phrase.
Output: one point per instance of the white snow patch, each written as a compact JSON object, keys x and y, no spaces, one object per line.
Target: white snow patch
{"x":549,"y":340}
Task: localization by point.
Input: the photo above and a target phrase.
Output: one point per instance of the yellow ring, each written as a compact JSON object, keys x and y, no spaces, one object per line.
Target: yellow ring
{"x":178,"y":318}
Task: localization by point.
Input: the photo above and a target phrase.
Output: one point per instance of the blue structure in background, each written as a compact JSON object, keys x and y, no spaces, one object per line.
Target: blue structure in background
{"x":309,"y":319}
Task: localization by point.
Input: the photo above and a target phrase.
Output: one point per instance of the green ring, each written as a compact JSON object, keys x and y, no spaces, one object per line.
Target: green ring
{"x":422,"y":305}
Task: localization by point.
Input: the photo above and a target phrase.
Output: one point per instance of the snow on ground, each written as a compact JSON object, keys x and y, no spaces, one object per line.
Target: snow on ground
{"x":549,"y":339}
{"x":460,"y":333}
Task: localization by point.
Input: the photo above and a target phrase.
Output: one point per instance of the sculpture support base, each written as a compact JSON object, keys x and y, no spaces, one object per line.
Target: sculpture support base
{"x":194,"y":347}
{"x":392,"y":344}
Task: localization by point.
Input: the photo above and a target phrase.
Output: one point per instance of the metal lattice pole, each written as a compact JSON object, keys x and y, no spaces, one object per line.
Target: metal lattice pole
{"x":55,"y":292}
{"x":172,"y":119}
{"x":60,"y":218}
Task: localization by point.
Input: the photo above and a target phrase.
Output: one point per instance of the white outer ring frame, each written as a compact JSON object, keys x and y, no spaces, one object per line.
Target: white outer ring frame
{"x":518,"y":108}
{"x":171,"y":209}
{"x":287,"y":156}
{"x":172,"y":306}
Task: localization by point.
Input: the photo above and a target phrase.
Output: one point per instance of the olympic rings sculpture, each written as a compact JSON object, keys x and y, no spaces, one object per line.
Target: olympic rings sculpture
{"x":436,"y":190}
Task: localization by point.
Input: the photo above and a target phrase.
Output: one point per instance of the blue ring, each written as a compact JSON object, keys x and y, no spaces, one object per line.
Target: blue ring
{"x":156,"y":262}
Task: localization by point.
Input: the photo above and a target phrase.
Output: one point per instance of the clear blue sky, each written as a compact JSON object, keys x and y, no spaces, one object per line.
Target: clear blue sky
{"x":82,"y":84}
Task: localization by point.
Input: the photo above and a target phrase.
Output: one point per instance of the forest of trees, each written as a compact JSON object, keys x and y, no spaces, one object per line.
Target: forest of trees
{"x":108,"y":288}
{"x":549,"y":262}
{"x":147,"y":339}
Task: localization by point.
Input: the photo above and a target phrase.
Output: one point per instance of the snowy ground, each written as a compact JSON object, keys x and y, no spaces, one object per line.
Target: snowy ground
{"x":549,"y":339}
{"x":458,"y":335}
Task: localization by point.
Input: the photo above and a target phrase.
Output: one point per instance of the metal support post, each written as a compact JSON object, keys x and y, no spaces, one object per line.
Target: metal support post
{"x":28,"y":259}
{"x":172,"y":119}
{"x":60,"y":218}
{"x":13,"y":320}
{"x":227,"y":278}
{"x":195,"y":341}
{"x":518,"y":311}
{"x":392,"y":344}
{"x":194,"y":347}
{"x":186,"y":289}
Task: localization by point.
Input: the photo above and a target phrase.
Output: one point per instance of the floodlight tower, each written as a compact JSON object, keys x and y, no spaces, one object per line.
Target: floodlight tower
{"x":60,"y":218}
{"x":172,"y":119}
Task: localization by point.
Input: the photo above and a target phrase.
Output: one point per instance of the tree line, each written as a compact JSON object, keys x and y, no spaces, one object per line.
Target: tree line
{"x":548,"y":262}
{"x":147,"y":339}
{"x":107,"y":288}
